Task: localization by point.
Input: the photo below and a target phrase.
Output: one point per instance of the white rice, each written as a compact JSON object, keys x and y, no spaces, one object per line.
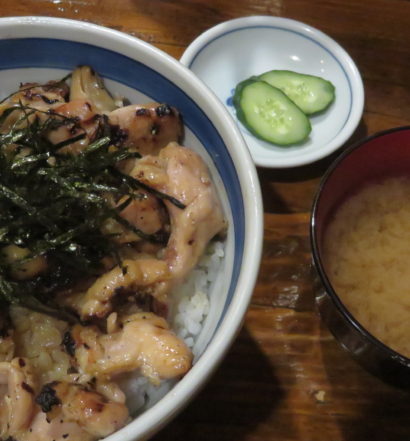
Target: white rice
{"x":192,"y":299}
{"x":187,"y":316}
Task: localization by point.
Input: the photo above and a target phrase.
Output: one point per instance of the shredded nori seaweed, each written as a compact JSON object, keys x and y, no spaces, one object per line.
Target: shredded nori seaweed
{"x":55,"y":203}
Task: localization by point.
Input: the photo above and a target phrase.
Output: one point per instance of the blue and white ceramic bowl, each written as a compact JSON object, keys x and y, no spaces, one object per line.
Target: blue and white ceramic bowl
{"x":237,"y":49}
{"x":41,"y":49}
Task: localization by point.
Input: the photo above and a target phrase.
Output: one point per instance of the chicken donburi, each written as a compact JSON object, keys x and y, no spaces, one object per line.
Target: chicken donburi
{"x":104,"y":216}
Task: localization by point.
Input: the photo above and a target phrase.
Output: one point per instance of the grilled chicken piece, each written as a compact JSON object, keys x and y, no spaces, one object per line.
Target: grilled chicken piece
{"x":84,"y":122}
{"x":44,"y":429}
{"x":39,"y":96}
{"x":144,"y":274}
{"x":21,"y":419}
{"x":144,"y":212}
{"x":7,"y":347}
{"x":90,"y":410}
{"x":17,"y":401}
{"x":87,"y":85}
{"x":146,"y":128}
{"x":35,"y":96}
{"x":144,"y":341}
{"x":181,"y":173}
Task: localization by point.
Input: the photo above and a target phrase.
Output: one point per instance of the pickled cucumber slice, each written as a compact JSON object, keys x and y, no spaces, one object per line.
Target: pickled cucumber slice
{"x":310,"y":93}
{"x":269,"y":114}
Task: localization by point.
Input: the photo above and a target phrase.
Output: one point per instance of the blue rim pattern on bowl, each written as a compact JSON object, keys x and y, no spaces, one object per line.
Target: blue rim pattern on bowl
{"x":337,"y":62}
{"x":280,"y":28}
{"x":142,"y":78}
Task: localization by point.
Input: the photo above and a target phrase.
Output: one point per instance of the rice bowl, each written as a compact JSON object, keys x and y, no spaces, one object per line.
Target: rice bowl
{"x":56,"y":48}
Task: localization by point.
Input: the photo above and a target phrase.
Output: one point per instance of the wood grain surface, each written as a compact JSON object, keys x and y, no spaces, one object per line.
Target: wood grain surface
{"x":285,"y":378}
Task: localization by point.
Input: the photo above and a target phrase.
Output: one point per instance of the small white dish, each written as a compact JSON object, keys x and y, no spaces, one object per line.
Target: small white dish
{"x":237,"y":49}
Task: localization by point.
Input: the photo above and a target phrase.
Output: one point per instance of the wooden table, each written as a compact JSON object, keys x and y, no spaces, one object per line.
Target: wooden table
{"x":285,"y":377}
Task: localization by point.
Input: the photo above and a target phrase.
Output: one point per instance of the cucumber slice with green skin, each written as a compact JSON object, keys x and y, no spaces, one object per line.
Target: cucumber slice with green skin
{"x":269,"y":114}
{"x":310,"y":93}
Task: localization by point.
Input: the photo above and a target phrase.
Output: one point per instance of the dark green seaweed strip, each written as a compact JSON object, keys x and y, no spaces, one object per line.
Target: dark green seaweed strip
{"x":55,"y":204}
{"x":136,"y":184}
